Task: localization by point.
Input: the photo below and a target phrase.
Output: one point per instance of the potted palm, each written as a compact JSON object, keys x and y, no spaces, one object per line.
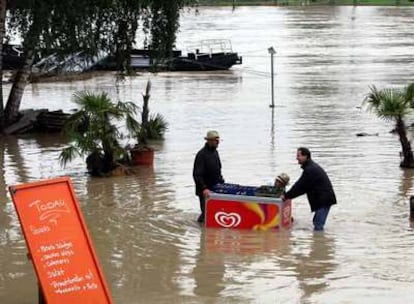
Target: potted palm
{"x":394,"y":105}
{"x":152,"y":127}
{"x":93,"y":132}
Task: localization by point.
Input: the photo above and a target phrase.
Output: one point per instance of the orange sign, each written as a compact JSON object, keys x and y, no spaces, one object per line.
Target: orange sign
{"x":58,"y":242}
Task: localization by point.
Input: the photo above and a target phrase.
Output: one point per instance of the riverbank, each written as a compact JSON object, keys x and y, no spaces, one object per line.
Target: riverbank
{"x":305,"y":2}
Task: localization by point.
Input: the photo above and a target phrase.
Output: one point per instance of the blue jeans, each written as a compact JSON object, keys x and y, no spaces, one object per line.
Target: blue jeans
{"x":319,"y":218}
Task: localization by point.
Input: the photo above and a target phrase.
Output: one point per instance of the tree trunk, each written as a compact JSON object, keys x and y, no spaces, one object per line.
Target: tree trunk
{"x":145,"y":111}
{"x":3,"y":192}
{"x":17,"y":90}
{"x":145,"y":108}
{"x":3,"y":8}
{"x":407,"y":153}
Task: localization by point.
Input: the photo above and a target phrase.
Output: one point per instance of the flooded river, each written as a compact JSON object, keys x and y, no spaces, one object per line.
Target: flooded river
{"x":143,"y":227}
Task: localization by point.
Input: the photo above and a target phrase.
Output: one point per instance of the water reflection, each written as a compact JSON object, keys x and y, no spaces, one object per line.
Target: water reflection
{"x":406,"y":184}
{"x":13,"y":149}
{"x":209,"y":269}
{"x":244,"y":243}
{"x":253,"y":262}
{"x":16,"y":269}
{"x":224,"y":253}
{"x":128,"y":214}
{"x":30,"y":157}
{"x":3,"y":191}
{"x":313,"y":265}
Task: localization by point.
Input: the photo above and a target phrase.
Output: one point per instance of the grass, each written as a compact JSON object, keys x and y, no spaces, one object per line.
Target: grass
{"x":306,"y":2}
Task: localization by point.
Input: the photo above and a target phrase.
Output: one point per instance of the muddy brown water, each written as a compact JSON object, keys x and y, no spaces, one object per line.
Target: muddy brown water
{"x":143,"y":226}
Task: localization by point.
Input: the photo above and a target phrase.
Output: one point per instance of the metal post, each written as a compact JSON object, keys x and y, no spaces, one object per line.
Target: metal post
{"x":272,"y":52}
{"x":273,"y":82}
{"x":272,"y":130}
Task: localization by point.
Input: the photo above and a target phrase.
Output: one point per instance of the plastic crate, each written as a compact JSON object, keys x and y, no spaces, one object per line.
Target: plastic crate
{"x":234,"y":189}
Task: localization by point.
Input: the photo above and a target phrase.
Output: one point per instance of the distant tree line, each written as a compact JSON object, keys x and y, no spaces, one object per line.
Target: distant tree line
{"x":235,"y":3}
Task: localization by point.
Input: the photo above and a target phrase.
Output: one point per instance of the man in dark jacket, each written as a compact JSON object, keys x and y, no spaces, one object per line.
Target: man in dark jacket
{"x":207,"y":169}
{"x":316,"y":184}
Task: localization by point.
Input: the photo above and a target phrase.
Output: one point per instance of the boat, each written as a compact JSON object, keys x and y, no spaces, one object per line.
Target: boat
{"x":209,"y":55}
{"x":213,"y":54}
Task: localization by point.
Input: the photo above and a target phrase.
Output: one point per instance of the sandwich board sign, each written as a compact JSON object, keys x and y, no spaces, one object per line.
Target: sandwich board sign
{"x":59,"y":244}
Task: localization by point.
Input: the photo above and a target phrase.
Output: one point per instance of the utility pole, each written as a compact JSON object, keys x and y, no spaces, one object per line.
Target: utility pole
{"x":272,"y":51}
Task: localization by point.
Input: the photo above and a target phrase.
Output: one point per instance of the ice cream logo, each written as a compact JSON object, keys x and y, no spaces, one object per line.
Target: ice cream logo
{"x":268,"y":214}
{"x":227,"y":220}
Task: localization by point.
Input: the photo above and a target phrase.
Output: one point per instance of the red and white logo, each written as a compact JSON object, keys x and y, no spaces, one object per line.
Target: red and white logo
{"x":227,"y":220}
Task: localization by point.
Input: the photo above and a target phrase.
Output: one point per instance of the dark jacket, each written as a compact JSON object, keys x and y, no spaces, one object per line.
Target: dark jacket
{"x":207,"y":169}
{"x":316,"y":184}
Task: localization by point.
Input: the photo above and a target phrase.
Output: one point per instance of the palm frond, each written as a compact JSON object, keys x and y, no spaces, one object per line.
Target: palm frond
{"x":67,"y":155}
{"x":157,"y":125}
{"x":387,"y":104}
{"x":373,"y":98}
{"x":91,"y":102}
{"x":77,"y":122}
{"x":132,"y":124}
{"x":127,"y":107}
{"x":409,"y":94}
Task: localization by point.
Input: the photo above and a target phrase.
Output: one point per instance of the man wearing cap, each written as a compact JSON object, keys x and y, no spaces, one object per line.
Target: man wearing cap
{"x":281,"y":181}
{"x":207,"y":169}
{"x":316,"y":184}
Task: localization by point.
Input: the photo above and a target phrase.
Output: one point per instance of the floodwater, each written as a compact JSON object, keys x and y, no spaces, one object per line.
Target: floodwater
{"x":143,"y":226}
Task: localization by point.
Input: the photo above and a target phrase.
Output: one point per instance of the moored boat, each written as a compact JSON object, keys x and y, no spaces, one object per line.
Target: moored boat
{"x":209,"y":55}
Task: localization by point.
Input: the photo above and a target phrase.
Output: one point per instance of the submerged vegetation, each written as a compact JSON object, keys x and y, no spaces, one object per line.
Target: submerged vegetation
{"x":153,"y":126}
{"x":94,"y":133}
{"x":99,"y":128}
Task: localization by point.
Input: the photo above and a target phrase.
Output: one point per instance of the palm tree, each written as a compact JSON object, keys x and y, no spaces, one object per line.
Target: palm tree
{"x":394,"y":105}
{"x":93,"y":132}
{"x":152,"y":126}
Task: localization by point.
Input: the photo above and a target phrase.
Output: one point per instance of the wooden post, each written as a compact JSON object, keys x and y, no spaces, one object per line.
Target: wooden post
{"x":3,"y":9}
{"x":42,"y":299}
{"x":412,"y":208}
{"x":40,"y":296}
